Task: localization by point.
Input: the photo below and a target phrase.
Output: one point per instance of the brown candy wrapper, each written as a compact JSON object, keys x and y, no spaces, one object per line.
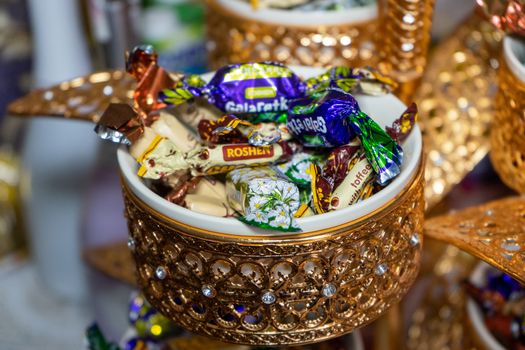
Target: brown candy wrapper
{"x":120,"y":123}
{"x":403,"y":125}
{"x":349,"y":190}
{"x":230,"y":129}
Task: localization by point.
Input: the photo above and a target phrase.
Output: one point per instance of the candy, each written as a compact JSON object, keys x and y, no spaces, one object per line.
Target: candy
{"x":332,"y":118}
{"x":242,"y":89}
{"x":208,"y":205}
{"x":296,"y":169}
{"x":121,"y":124}
{"x":354,"y":80}
{"x":403,"y":125}
{"x":263,"y":198}
{"x":141,"y":63}
{"x":162,"y":158}
{"x":322,"y":120}
{"x":148,"y":322}
{"x":310,"y":5}
{"x":229,"y":129}
{"x":349,"y":191}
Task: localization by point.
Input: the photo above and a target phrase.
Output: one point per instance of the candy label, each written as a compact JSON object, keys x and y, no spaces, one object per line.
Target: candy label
{"x":260,"y":92}
{"x":242,"y":152}
{"x":273,"y":106}
{"x":257,"y":71}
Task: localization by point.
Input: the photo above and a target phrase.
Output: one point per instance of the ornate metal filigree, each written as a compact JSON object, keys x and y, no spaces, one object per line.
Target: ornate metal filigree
{"x":456,"y":105}
{"x":506,"y":139}
{"x":439,"y":320}
{"x":292,"y":289}
{"x":493,"y":232}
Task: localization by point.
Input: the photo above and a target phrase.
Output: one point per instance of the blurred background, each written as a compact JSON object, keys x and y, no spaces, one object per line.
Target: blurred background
{"x":59,"y":190}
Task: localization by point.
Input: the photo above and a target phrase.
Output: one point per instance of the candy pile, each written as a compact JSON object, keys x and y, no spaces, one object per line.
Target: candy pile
{"x":310,"y":5}
{"x":502,"y":301}
{"x":256,"y":141}
{"x":149,"y":329}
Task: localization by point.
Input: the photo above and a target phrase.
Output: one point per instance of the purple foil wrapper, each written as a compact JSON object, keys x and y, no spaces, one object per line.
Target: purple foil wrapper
{"x":244,"y":89}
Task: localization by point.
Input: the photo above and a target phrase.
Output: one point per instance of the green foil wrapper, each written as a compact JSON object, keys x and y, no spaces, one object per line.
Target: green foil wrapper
{"x":264,"y":198}
{"x":383,"y":153}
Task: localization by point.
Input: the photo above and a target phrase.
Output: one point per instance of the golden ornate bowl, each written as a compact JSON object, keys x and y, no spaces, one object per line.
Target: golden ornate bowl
{"x":221,"y":278}
{"x":508,"y":129}
{"x":393,"y":35}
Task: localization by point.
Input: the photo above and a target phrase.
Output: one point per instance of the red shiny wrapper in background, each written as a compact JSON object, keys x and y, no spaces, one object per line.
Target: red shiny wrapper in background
{"x":508,"y":16}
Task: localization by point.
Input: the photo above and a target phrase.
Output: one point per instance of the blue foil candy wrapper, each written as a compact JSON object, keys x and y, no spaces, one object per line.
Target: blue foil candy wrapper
{"x":332,"y":118}
{"x":321,"y":120}
{"x":243,"y":89}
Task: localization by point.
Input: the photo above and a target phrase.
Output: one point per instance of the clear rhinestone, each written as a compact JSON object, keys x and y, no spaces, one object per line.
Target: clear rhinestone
{"x":409,"y":18}
{"x":131,"y":243}
{"x":489,"y":212}
{"x":381,"y":269}
{"x":161,"y":273}
{"x":329,"y":290}
{"x":268,"y":298}
{"x":407,"y":47}
{"x":414,"y":240}
{"x":208,"y":291}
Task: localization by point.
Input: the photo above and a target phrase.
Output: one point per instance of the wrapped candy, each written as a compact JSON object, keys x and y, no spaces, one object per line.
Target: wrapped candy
{"x":403,"y":125}
{"x":296,"y":169}
{"x":263,"y":198}
{"x":502,"y":300}
{"x":332,"y":118}
{"x":229,"y":129}
{"x":162,"y":158}
{"x":310,"y":5}
{"x":141,"y":63}
{"x":242,"y":89}
{"x":148,"y":322}
{"x":353,"y":80}
{"x":343,"y":181}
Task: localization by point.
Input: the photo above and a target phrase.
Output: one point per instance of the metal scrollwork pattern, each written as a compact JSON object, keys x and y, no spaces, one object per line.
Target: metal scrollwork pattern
{"x":284,"y":290}
{"x":507,"y":142}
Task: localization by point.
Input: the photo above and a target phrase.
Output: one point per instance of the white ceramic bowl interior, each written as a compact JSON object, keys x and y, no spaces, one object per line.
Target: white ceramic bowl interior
{"x":475,"y":313}
{"x":514,"y":52}
{"x":306,"y":18}
{"x":383,"y":109}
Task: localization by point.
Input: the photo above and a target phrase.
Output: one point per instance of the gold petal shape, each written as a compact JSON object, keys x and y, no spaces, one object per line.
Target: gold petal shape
{"x":114,"y":260}
{"x":493,"y":232}
{"x":83,"y":98}
{"x":455,"y":101}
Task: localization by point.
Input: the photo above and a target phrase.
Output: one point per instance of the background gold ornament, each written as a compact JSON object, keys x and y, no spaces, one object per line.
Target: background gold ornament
{"x":508,"y":130}
{"x":456,"y":104}
{"x":493,"y":232}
